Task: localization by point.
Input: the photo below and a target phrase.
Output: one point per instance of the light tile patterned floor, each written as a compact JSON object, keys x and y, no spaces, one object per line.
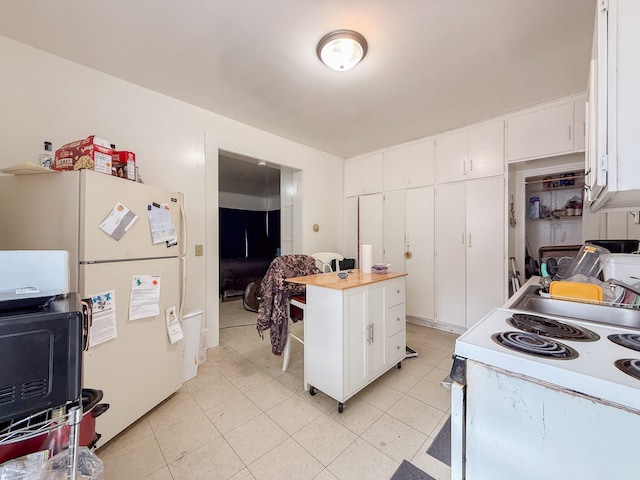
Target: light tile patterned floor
{"x":243,"y":418}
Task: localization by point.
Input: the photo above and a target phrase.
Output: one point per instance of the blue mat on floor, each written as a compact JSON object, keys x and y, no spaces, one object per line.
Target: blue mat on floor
{"x":408,"y":471}
{"x":441,"y":446}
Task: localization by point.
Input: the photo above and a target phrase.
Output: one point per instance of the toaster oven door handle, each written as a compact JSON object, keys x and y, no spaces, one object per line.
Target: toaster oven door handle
{"x":87,"y":321}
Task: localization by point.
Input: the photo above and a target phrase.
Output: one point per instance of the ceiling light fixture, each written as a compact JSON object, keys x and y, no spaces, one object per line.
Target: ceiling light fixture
{"x":342,"y":50}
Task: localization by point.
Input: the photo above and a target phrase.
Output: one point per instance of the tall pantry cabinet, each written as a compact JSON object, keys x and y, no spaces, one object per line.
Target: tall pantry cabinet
{"x":408,"y":239}
{"x":470,"y":272}
{"x":469,"y":223}
{"x":408,"y":222}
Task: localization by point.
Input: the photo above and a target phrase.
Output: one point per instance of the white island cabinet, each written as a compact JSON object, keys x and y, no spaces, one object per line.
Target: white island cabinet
{"x":354,"y":330}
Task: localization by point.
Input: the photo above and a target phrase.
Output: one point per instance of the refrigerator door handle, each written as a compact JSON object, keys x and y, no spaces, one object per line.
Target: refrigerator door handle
{"x":87,"y":321}
{"x":183,"y":284}
{"x":183,"y":223}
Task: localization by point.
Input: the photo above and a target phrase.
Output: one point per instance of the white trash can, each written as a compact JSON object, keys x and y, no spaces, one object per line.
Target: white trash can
{"x":202,"y":351}
{"x":191,"y":326}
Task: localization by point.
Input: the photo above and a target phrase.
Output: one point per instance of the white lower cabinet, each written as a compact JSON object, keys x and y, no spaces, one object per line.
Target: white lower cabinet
{"x":470,"y":251}
{"x":353,"y":336}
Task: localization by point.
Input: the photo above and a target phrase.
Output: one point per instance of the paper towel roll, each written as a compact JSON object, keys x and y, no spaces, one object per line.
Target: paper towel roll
{"x":366,"y":257}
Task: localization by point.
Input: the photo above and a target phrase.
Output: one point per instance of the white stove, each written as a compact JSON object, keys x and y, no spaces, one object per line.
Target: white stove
{"x":527,"y":416}
{"x":592,"y":373}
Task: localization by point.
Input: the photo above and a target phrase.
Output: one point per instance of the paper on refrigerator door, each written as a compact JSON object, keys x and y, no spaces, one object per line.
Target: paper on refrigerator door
{"x":118,"y":221}
{"x":162,"y":228}
{"x":145,"y":297}
{"x":103,"y":325}
{"x":174,"y":330}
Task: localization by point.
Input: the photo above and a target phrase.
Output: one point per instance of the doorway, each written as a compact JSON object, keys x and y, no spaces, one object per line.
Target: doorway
{"x":248,"y":221}
{"x":258,"y":210}
{"x":545,"y":210}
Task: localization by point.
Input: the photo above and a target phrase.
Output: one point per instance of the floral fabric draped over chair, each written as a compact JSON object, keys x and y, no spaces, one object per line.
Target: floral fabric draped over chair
{"x":273,"y":311}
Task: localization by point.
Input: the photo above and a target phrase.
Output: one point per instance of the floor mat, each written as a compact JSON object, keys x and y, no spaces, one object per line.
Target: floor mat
{"x":441,"y":446}
{"x":408,"y":471}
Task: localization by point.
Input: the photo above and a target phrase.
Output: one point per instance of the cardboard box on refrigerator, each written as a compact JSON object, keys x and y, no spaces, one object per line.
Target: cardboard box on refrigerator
{"x":92,"y":152}
{"x":124,"y":165}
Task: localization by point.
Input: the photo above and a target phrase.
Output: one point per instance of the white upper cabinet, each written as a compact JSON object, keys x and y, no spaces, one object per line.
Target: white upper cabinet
{"x":613,"y":165}
{"x":475,"y":152}
{"x":363,"y":175}
{"x":451,"y":156}
{"x":580,"y":122}
{"x":541,"y":133}
{"x":485,"y":151}
{"x":409,"y":165}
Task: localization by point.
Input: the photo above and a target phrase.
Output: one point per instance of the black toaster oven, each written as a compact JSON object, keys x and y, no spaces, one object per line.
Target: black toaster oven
{"x":41,"y":352}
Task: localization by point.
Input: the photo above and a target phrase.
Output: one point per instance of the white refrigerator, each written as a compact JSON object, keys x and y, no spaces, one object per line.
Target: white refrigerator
{"x":140,"y":367}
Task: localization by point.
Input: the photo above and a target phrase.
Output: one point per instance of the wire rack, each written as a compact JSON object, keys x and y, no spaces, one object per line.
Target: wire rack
{"x":635,"y":306}
{"x":45,"y":423}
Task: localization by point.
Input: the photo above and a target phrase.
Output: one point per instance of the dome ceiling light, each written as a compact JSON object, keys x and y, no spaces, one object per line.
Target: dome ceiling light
{"x":341,"y":50}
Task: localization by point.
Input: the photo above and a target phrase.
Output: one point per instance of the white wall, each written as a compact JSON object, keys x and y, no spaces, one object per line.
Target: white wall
{"x":43,"y":97}
{"x":245,"y":202}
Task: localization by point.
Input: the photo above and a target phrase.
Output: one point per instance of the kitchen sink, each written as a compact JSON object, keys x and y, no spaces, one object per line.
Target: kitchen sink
{"x":531,"y":301}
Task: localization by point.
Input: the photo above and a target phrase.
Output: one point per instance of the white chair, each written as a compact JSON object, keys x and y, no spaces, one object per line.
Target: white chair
{"x":324,"y":259}
{"x":323,"y":262}
{"x":300,"y":302}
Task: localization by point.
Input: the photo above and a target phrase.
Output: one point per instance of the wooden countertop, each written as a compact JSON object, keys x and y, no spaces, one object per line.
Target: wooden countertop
{"x":355,"y":279}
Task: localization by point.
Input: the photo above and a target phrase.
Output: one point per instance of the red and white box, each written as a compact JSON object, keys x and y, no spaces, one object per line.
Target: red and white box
{"x":124,"y":165}
{"x":93,"y":153}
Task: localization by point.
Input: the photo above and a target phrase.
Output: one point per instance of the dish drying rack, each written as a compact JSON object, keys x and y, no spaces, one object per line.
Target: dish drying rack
{"x":635,"y":306}
{"x":46,"y":422}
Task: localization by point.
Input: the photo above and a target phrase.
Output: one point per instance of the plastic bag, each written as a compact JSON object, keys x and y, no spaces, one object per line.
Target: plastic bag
{"x":32,"y":467}
{"x":90,"y":467}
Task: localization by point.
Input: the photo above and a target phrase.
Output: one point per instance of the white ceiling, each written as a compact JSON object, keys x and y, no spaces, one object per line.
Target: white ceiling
{"x":242,"y":175}
{"x":432,"y":65}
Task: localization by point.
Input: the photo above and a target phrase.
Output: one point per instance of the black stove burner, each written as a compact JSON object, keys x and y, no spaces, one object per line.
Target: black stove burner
{"x":629,"y":340}
{"x":630,"y":366}
{"x":529,"y":343}
{"x":551,"y":328}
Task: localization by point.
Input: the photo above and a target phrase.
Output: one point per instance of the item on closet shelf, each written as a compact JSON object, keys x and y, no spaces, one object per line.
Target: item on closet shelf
{"x":534,"y":207}
{"x":573,"y":207}
{"x":93,"y":153}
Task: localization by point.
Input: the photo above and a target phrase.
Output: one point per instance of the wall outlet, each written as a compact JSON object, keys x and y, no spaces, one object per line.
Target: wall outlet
{"x":199,"y":250}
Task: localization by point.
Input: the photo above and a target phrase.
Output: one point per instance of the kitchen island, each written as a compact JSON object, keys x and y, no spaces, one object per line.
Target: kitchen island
{"x":354,"y":330}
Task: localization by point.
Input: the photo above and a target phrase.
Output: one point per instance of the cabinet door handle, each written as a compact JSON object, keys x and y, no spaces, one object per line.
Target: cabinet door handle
{"x":370,"y":333}
{"x":464,"y":167}
{"x":469,"y":240}
{"x":470,"y":165}
{"x":372,"y":337}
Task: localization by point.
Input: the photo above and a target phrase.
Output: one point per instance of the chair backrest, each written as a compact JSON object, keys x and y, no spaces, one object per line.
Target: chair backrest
{"x":324,"y":259}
